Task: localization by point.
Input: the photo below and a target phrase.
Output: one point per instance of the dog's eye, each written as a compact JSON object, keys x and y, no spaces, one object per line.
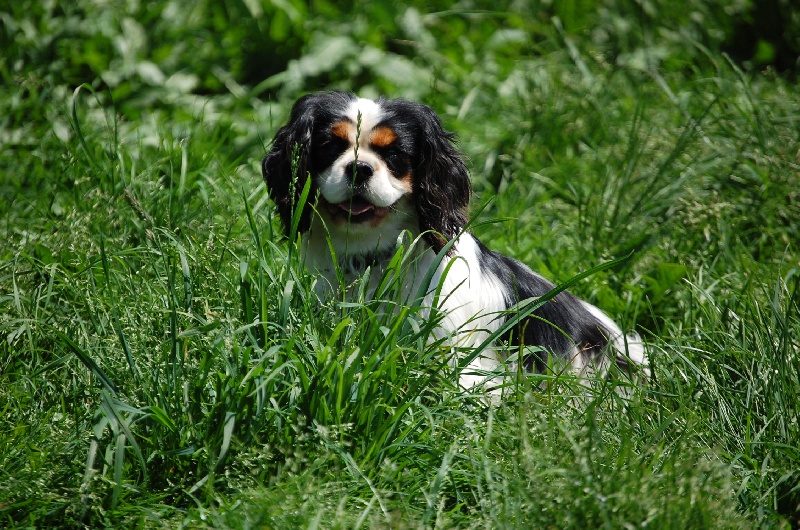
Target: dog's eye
{"x":332,"y":141}
{"x":396,"y":159}
{"x":333,"y":145}
{"x":391,"y":153}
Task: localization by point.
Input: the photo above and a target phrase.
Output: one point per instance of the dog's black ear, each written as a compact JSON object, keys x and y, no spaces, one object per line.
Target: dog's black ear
{"x":285,"y":168}
{"x":442,"y":182}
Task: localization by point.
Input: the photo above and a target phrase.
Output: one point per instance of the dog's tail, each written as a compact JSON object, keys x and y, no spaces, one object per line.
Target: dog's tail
{"x":629,"y":350}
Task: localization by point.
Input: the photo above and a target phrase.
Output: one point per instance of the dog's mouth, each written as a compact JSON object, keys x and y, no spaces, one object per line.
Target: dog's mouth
{"x":357,"y":210}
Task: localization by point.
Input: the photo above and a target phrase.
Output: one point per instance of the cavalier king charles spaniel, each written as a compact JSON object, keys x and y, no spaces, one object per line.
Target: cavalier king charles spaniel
{"x":385,"y":169}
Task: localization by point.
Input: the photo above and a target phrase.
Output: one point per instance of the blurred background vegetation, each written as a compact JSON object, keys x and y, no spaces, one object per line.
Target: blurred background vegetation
{"x":153,"y":54}
{"x":144,"y":51}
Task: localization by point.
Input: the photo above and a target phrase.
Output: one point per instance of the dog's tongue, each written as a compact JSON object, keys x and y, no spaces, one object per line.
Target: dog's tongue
{"x":356,"y":206}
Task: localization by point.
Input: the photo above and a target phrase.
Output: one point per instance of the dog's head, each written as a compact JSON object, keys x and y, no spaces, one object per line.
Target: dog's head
{"x":379,"y":166}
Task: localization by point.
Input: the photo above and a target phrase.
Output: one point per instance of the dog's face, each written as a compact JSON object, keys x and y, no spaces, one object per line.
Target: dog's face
{"x":363,"y":167}
{"x":380,"y":167}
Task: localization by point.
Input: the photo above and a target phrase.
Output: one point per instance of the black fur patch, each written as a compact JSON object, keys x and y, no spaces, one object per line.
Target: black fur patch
{"x":304,"y":146}
{"x":557,"y":326}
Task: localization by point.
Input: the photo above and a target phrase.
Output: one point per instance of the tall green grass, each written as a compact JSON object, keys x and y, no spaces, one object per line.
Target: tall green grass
{"x":165,"y":361}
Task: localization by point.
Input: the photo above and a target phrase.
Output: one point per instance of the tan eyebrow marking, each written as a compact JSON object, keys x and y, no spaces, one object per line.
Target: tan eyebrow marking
{"x":382,"y":136}
{"x":341,"y":129}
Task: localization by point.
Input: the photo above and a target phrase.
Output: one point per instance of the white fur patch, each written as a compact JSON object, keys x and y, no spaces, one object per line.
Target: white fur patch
{"x":472,"y":302}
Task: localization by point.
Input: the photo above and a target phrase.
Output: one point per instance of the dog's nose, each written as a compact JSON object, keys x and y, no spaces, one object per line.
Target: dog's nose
{"x":358,"y":172}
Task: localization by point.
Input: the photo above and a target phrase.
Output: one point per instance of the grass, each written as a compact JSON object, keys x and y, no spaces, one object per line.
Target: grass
{"x":164,"y":361}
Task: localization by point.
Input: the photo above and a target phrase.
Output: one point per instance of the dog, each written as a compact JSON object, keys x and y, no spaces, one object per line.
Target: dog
{"x":386,"y":167}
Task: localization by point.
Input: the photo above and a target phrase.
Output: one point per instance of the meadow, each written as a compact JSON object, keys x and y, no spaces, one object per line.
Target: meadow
{"x":164,"y":361}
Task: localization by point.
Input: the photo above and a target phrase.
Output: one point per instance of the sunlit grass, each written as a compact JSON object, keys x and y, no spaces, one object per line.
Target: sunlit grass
{"x":164,"y":359}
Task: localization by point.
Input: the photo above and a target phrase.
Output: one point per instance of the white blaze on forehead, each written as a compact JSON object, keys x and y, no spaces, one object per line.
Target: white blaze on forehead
{"x":371,"y":115}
